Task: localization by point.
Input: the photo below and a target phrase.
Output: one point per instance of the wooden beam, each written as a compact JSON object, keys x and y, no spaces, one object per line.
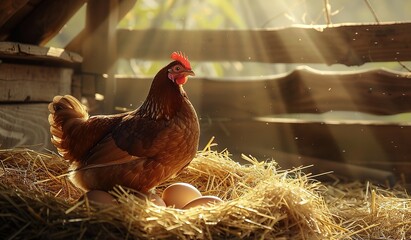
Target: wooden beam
{"x":18,"y":52}
{"x":44,"y":21}
{"x":304,"y":90}
{"x":8,"y":8}
{"x":353,"y":44}
{"x":14,"y":14}
{"x":101,"y":22}
{"x":98,"y":53}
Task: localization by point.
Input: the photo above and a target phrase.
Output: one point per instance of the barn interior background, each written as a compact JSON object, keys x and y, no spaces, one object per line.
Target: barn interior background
{"x":302,"y":82}
{"x":333,"y":92}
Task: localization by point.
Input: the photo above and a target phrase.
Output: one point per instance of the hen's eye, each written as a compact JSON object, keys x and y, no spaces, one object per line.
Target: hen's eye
{"x":176,"y":68}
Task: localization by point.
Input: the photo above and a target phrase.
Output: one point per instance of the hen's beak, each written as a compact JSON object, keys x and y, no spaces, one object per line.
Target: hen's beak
{"x":189,"y":73}
{"x":183,"y":76}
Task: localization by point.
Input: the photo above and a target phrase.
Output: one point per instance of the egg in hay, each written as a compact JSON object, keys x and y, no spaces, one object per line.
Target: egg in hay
{"x":202,"y":201}
{"x":102,"y":197}
{"x":157,"y":200}
{"x":179,"y":194}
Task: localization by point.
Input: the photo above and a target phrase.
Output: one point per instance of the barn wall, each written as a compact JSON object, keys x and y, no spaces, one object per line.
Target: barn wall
{"x":25,"y":93}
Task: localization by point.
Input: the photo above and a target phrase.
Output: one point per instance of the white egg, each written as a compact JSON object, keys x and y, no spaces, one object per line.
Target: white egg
{"x":202,"y":201}
{"x":179,"y":194}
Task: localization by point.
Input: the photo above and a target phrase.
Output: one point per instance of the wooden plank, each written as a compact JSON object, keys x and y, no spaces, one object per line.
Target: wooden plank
{"x":18,"y":52}
{"x":27,"y":83}
{"x":376,"y":91}
{"x":44,"y":21}
{"x":349,"y":44}
{"x":302,"y":91}
{"x":24,"y":125}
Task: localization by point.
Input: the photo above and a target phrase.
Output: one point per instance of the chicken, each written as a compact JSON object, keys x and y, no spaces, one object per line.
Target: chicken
{"x":138,"y":149}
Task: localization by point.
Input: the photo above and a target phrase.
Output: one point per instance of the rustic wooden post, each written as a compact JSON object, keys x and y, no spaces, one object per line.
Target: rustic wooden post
{"x":98,"y":49}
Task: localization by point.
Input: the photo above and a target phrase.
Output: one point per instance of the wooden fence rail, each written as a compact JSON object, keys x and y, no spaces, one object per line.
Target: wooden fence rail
{"x":352,"y":44}
{"x":304,"y":90}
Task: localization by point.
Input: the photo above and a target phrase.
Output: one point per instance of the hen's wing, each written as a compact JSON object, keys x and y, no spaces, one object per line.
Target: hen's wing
{"x":107,"y":153}
{"x":131,"y":139}
{"x":139,"y":136}
{"x":125,"y":156}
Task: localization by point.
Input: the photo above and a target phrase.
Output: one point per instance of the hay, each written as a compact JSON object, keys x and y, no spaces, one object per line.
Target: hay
{"x":260,"y":202}
{"x":371,"y":212}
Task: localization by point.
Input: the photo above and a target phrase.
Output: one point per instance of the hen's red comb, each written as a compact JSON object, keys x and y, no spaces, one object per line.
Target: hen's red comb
{"x":182,"y":58}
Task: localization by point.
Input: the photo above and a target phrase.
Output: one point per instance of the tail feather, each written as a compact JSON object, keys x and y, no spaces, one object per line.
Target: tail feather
{"x":66,"y":114}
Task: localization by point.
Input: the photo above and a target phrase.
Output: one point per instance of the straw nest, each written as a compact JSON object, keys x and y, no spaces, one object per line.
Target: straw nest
{"x":260,"y":202}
